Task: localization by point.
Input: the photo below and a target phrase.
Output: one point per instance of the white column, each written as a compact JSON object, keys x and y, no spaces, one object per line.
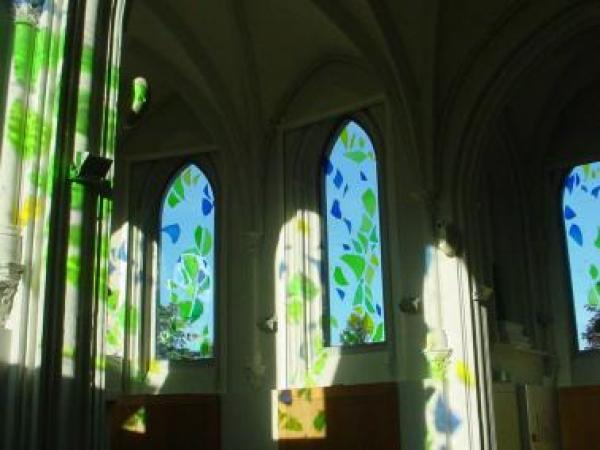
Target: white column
{"x":26,"y":20}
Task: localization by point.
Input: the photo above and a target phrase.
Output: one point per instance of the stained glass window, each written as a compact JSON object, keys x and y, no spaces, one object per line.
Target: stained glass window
{"x":581,"y":213}
{"x":186,"y":297}
{"x":353,"y":240}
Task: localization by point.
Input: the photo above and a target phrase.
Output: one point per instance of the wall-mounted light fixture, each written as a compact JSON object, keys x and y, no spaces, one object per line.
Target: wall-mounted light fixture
{"x":92,"y":172}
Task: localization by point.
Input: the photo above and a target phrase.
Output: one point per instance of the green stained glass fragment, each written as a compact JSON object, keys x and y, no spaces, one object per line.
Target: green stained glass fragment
{"x":339,"y":277}
{"x":203,"y":240}
{"x":593,"y":299}
{"x":185,"y":309}
{"x":173,"y":200}
{"x":369,"y":201}
{"x":594,"y":271}
{"x":358,"y":295}
{"x":375,"y":260}
{"x":344,"y":137}
{"x":357,"y":157}
{"x":597,"y":241}
{"x":374,"y":238}
{"x":191,"y":265}
{"x":197,"y":311}
{"x":378,"y":335}
{"x":333,"y":322}
{"x":366,"y":224}
{"x":363,"y":240}
{"x":370,"y":274}
{"x":370,"y":307}
{"x":178,"y":188}
{"x":206,"y":348}
{"x":187,"y":177}
{"x":356,"y":264}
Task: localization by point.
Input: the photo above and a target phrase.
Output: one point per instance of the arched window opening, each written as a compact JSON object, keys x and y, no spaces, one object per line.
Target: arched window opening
{"x":353,"y":240}
{"x":581,"y":207}
{"x":185,"y":328}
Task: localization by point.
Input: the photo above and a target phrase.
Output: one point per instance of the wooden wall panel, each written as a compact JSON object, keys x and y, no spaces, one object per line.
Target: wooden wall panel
{"x":182,"y":422}
{"x":360,"y":417}
{"x":579,"y":410}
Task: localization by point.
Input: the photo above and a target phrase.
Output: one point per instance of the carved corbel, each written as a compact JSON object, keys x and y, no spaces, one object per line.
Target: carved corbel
{"x":10,"y":277}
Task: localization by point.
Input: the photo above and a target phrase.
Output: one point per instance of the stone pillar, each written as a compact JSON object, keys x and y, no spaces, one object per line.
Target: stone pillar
{"x":13,"y":147}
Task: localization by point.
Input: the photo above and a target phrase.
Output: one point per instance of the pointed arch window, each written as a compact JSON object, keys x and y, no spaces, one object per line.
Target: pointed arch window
{"x":185,"y":328}
{"x":353,"y":240}
{"x":581,"y":203}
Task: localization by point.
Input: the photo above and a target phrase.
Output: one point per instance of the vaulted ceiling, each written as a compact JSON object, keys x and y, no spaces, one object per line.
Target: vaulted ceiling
{"x":240,"y":65}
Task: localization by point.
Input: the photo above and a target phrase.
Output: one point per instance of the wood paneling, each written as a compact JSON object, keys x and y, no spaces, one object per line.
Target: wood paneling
{"x":182,"y":422}
{"x":579,"y":408}
{"x":360,"y":417}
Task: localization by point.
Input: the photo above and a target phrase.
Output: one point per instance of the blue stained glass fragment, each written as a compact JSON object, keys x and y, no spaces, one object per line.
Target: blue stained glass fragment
{"x":207,"y":192}
{"x":596,"y":191}
{"x":346,"y":190}
{"x":327,"y":166}
{"x":346,"y":247}
{"x":363,"y":177}
{"x":577,"y":179}
{"x":378,"y":308}
{"x":341,"y":293}
{"x":173,"y":231}
{"x":569,"y":183}
{"x":335,"y":210}
{"x":338,"y":179}
{"x":575,"y":233}
{"x":348,"y":224}
{"x":569,"y":213}
{"x":584,"y":188}
{"x":207,"y":207}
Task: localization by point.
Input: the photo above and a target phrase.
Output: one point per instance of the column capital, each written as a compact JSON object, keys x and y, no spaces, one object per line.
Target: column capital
{"x":27,"y":11}
{"x":10,"y":277}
